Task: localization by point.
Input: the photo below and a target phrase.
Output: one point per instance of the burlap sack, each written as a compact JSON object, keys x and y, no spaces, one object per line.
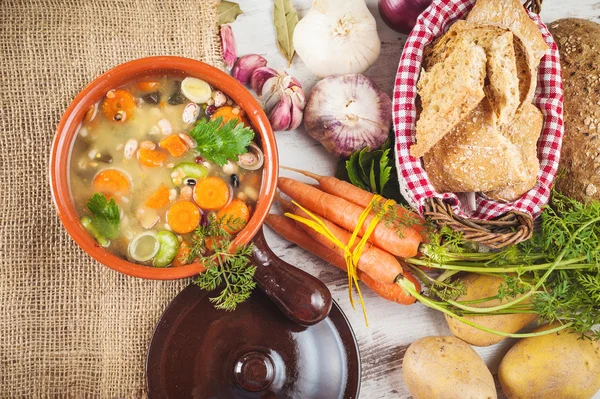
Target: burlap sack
{"x":69,"y":326}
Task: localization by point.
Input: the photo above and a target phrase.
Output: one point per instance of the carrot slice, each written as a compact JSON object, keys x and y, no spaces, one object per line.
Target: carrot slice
{"x":111,"y":181}
{"x":174,"y":144}
{"x":159,"y":199}
{"x":182,"y":255}
{"x":237,"y":210}
{"x":230,"y":113}
{"x":118,"y":105}
{"x":183,"y":217}
{"x":147,"y":85}
{"x":151,"y":158}
{"x":211,"y":193}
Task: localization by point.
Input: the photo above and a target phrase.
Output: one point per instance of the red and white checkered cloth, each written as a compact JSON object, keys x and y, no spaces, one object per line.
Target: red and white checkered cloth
{"x":414,"y":183}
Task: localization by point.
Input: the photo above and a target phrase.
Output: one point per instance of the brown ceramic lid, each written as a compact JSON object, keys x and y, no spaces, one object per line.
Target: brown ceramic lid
{"x":198,"y":351}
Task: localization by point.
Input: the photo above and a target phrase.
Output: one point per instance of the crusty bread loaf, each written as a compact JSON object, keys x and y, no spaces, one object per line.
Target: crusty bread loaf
{"x":524,"y":132}
{"x":460,"y":31}
{"x":512,"y":14}
{"x":579,"y":171}
{"x":503,"y":90}
{"x":475,"y":156}
{"x":483,"y":35}
{"x":526,"y":71}
{"x":449,"y":92}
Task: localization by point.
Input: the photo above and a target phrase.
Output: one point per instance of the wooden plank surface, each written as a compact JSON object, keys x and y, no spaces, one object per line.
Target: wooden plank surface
{"x":392,"y":327}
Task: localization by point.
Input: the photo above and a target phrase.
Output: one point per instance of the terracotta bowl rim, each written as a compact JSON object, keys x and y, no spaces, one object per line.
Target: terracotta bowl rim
{"x":118,"y":76}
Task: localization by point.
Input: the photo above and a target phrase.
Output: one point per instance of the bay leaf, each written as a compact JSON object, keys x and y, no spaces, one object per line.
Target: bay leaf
{"x":285,"y":19}
{"x":228,"y":11}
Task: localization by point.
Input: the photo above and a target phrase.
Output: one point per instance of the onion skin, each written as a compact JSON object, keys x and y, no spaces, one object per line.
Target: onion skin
{"x":346,"y":113}
{"x":401,"y":15}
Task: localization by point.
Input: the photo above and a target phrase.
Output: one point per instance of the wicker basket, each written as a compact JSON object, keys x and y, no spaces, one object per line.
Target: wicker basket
{"x":508,"y":228}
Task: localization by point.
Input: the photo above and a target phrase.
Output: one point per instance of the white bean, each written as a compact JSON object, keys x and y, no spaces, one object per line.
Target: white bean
{"x":130,"y":148}
{"x":190,"y":113}
{"x":229,"y":167}
{"x":147,"y":145}
{"x":186,"y":193}
{"x":219,"y":97}
{"x":165,"y":126}
{"x":187,"y":140}
{"x":251,"y":192}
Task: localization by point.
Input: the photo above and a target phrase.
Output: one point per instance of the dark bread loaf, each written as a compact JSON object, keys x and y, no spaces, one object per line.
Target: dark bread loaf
{"x":579,"y":46}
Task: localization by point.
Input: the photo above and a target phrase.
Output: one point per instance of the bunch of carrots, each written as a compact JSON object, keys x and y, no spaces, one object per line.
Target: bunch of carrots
{"x":339,"y":205}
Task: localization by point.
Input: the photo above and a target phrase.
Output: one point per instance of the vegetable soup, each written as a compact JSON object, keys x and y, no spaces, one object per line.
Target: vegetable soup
{"x":165,"y":169}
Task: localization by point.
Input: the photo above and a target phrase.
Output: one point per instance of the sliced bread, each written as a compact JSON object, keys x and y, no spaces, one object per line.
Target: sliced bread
{"x":526,"y":71}
{"x":512,"y":14}
{"x":524,"y":132}
{"x":475,"y":156}
{"x":483,"y":35}
{"x":503,"y":89}
{"x":460,"y":31}
{"x":449,"y":91}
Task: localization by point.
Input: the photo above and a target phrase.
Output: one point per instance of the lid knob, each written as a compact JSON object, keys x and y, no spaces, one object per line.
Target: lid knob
{"x":254,"y":371}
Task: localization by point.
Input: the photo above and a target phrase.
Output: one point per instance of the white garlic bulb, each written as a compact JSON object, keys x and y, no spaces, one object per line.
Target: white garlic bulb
{"x":337,"y":37}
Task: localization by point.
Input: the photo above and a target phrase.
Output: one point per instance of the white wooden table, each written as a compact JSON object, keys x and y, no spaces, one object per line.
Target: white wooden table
{"x":392,"y":327}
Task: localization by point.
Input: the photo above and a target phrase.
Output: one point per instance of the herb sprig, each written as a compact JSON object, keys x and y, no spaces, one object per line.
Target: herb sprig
{"x":219,"y":143}
{"x":556,"y":274}
{"x":230,"y":270}
{"x":107,"y":216}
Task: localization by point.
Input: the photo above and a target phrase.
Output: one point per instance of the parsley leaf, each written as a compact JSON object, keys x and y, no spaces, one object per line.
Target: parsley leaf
{"x":107,"y":215}
{"x":219,"y":143}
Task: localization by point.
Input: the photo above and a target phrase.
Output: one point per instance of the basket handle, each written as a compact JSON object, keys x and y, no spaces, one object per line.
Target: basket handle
{"x":534,"y":5}
{"x":511,"y":228}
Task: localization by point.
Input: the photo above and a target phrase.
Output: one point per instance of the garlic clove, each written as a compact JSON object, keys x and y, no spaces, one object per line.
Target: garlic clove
{"x":271,"y":93}
{"x":259,"y":77}
{"x":296,"y":116}
{"x":228,"y":45}
{"x":245,"y":66}
{"x":297,"y":95}
{"x":294,"y":82}
{"x":281,"y":114}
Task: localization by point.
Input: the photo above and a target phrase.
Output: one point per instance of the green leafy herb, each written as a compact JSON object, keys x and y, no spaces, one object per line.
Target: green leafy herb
{"x":228,"y":11}
{"x":230,"y":270}
{"x":107,"y":215}
{"x":285,"y":19}
{"x":214,"y":228}
{"x":223,"y":269}
{"x":392,"y":218}
{"x":373,"y":171}
{"x":219,"y":143}
{"x":558,"y":270}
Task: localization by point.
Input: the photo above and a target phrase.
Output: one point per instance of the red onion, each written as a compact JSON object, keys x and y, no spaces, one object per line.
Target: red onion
{"x":401,"y":15}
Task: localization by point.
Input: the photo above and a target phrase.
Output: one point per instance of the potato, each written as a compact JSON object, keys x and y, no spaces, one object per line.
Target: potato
{"x":446,"y":368}
{"x":483,"y":286}
{"x":554,"y":366}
